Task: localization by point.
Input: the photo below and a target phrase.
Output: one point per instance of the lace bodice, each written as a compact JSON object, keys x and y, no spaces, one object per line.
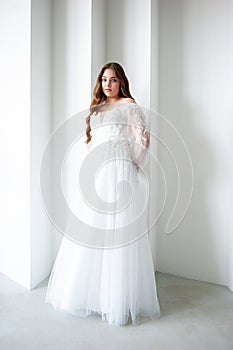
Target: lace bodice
{"x":121,"y":128}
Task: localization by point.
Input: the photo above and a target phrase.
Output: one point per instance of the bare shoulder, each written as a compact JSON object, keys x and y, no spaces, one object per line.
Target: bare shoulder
{"x":128,"y":100}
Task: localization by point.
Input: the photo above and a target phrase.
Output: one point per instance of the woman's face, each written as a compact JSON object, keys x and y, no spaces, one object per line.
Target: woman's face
{"x":110,"y":84}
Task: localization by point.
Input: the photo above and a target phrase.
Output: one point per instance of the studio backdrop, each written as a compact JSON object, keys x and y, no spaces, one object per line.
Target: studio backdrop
{"x":178,"y":56}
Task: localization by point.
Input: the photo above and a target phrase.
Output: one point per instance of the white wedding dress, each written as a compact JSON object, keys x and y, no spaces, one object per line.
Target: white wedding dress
{"x":108,"y":269}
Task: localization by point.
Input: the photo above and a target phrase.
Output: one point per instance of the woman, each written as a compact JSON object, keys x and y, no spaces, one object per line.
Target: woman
{"x":114,"y":276}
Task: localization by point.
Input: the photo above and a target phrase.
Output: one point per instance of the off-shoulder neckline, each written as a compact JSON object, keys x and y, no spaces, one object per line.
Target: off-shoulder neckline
{"x":119,"y":105}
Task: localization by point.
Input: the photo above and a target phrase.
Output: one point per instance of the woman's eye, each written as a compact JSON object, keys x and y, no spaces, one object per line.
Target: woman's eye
{"x":104,"y":80}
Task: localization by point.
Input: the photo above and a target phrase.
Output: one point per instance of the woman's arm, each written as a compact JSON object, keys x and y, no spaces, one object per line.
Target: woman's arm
{"x":140,"y":139}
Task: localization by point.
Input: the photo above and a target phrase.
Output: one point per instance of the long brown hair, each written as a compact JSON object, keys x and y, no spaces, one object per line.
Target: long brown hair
{"x":100,"y":97}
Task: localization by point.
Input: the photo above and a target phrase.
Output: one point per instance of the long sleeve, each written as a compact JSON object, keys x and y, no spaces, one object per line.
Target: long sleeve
{"x":139,"y":135}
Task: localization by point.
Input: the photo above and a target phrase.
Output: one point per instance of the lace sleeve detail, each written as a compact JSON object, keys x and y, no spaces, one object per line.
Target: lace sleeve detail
{"x":139,"y":135}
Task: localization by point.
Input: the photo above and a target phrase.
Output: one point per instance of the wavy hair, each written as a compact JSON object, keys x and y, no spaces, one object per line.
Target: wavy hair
{"x":98,"y":95}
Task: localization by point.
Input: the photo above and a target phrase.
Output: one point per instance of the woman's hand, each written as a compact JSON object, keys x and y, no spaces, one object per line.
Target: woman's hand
{"x":145,"y":138}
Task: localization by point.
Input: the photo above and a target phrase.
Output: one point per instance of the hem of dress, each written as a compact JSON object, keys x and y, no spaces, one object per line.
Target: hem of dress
{"x":128,"y":319}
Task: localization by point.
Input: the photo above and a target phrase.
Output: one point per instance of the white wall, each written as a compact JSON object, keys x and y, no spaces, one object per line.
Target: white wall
{"x":128,"y":41}
{"x":99,"y":34}
{"x":76,"y":37}
{"x":25,"y":93}
{"x":72,"y":66}
{"x":196,"y":84}
{"x":15,"y":36}
{"x":154,"y":107}
{"x":40,"y":128}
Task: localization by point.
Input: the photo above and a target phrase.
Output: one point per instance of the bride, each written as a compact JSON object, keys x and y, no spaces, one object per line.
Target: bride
{"x":113,"y":275}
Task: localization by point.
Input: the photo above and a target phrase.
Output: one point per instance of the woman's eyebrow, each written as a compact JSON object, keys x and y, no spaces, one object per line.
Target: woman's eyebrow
{"x":103,"y":76}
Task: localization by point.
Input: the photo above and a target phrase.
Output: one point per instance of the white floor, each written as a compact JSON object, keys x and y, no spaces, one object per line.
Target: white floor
{"x":195,"y":316}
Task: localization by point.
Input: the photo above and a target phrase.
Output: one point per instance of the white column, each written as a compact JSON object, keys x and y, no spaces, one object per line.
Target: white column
{"x":25,"y":93}
{"x":72,"y":67}
{"x":15,"y":36}
{"x":99,"y":33}
{"x":137,"y":48}
{"x":154,"y":106}
{"x":40,"y":131}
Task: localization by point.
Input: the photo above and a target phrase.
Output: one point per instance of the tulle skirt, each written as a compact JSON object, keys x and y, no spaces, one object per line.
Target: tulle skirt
{"x":115,"y":277}
{"x":118,"y":283}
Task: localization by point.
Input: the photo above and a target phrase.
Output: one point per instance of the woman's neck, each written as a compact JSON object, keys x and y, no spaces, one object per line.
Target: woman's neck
{"x":112,"y":99}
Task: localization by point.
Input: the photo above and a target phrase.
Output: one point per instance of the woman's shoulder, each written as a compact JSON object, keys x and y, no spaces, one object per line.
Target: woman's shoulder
{"x":127,"y":100}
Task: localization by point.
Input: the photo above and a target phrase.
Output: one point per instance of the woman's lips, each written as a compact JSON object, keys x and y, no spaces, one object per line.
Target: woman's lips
{"x":107,"y":90}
